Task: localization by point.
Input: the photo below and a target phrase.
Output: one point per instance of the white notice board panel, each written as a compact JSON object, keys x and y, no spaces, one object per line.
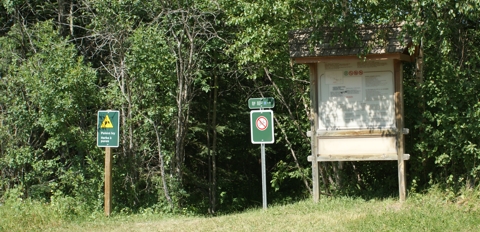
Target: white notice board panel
{"x":356,"y":94}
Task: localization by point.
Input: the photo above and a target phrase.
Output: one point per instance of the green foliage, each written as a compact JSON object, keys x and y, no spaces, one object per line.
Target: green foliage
{"x":150,"y":67}
{"x":446,"y":135}
{"x":49,"y":94}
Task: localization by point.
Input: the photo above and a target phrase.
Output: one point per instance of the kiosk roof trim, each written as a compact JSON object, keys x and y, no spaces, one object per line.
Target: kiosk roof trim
{"x":333,"y":42}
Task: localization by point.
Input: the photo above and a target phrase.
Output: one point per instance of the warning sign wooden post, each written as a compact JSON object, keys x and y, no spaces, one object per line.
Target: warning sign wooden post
{"x":108,"y":131}
{"x":108,"y":128}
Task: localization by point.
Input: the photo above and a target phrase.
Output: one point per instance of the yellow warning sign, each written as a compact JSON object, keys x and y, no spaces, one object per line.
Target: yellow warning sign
{"x":106,"y":123}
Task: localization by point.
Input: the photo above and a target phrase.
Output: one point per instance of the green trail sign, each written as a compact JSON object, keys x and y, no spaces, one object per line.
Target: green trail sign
{"x":261,"y":103}
{"x":261,"y":126}
{"x":108,"y":128}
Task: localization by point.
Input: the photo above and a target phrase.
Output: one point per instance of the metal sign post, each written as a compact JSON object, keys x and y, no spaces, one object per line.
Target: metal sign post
{"x":262,"y":132}
{"x":264,"y":177}
{"x":108,"y":133}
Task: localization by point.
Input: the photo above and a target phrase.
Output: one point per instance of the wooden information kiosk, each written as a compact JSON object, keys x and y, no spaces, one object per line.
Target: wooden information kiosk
{"x":356,"y":96}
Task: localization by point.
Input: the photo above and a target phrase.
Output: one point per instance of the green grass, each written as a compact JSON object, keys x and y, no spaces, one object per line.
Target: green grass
{"x":430,"y":212}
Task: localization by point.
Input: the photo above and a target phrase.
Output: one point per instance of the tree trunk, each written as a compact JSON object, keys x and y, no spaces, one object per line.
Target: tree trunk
{"x":162,"y":165}
{"x":214,"y":147}
{"x":71,"y":18}
{"x":282,"y":100}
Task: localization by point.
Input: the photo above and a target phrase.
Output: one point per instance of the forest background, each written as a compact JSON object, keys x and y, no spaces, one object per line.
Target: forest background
{"x":181,"y":72}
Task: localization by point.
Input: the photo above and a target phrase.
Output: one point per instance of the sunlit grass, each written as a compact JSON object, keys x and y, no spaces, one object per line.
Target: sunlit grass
{"x":430,"y":212}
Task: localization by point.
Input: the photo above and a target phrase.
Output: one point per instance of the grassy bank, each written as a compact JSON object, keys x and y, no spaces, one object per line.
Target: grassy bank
{"x":430,"y":212}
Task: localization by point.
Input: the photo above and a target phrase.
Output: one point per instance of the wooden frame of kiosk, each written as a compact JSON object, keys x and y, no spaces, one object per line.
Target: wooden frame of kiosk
{"x":356,"y":96}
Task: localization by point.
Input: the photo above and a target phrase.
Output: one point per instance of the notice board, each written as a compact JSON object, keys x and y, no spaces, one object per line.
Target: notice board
{"x":356,"y":95}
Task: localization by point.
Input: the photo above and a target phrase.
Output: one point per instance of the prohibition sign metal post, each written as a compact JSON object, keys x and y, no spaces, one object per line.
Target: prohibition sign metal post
{"x":262,"y":132}
{"x":108,"y":131}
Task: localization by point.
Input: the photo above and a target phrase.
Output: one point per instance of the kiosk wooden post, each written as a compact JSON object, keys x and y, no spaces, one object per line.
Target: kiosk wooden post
{"x":313,"y":125}
{"x":399,"y":120}
{"x":356,"y":98}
